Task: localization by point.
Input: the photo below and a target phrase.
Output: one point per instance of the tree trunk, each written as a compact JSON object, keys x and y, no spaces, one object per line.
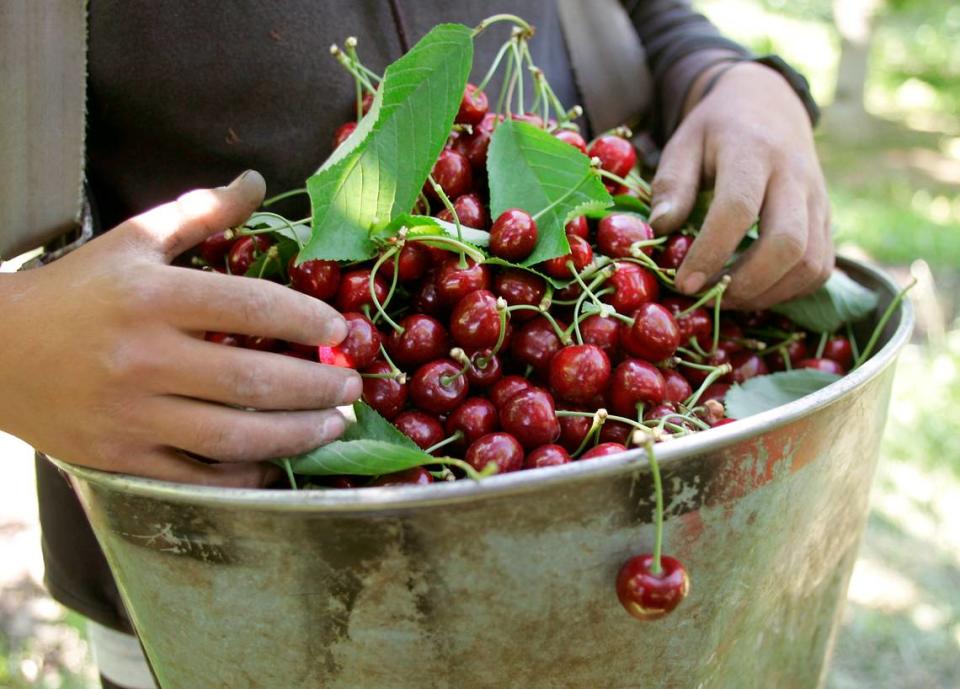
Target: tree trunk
{"x":854,"y":20}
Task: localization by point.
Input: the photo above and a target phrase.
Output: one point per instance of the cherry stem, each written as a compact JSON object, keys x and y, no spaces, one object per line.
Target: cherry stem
{"x":517,"y":74}
{"x":453,"y":212}
{"x":351,"y":48}
{"x":717,"y":372}
{"x":656,"y":567}
{"x":507,"y":79}
{"x":641,"y":259}
{"x":853,"y":342}
{"x":711,"y":293}
{"x":446,"y":441}
{"x":288,"y":469}
{"x":586,"y":288}
{"x":494,"y":66}
{"x":779,"y":346}
{"x":599,"y":417}
{"x":348,"y":65}
{"x":609,"y":417}
{"x":699,"y":367}
{"x":386,"y":256}
{"x":393,"y":367}
{"x":562,"y":334}
{"x":396,"y":375}
{"x":881,"y":324}
{"x":822,"y":344}
{"x":567,"y":194}
{"x":471,"y":473}
{"x":504,"y":312}
{"x":453,"y":244}
{"x":643,"y":191}
{"x":285,"y":195}
{"x":503,"y":17}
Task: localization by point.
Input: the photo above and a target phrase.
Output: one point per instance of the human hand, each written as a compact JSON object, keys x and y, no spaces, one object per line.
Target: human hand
{"x":104,"y":363}
{"x":751,"y":137}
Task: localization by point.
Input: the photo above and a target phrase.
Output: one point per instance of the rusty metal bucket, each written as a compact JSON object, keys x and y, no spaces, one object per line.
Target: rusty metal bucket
{"x":509,"y":583}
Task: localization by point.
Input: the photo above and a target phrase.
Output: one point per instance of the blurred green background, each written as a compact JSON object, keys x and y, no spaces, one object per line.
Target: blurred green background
{"x":888,"y":75}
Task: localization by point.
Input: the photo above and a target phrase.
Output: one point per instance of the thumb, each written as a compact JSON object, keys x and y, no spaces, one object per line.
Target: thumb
{"x":174,"y":227}
{"x":678,"y":178}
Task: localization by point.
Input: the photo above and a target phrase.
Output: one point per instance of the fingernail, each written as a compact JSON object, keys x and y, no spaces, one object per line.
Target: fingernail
{"x":337,"y":331}
{"x":661,"y":209}
{"x":352,"y":389}
{"x":334,"y":426}
{"x":693,"y":283}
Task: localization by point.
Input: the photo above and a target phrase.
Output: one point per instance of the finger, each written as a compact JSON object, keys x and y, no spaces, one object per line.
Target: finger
{"x":236,"y":435}
{"x":829,"y":255}
{"x":678,"y":178}
{"x":169,"y":465}
{"x":174,"y":227}
{"x":741,"y":181}
{"x":207,"y":301}
{"x":784,"y":228}
{"x":261,"y":380}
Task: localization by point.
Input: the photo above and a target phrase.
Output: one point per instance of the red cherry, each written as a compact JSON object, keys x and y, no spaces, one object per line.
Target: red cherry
{"x":715,"y":391}
{"x":634,"y":285}
{"x":615,"y":432}
{"x":546,"y":456}
{"x":473,"y":106}
{"x":660,"y":411}
{"x":579,"y":227}
{"x":674,"y":251}
{"x":214,"y":248}
{"x":318,"y":278}
{"x":485,"y":369}
{"x":573,"y":138}
{"x":475,"y":322}
{"x":244,"y":252}
{"x":366,"y":102}
{"x":261,"y":343}
{"x":573,"y":429}
{"x":578,"y":373}
{"x":501,"y":449}
{"x":471,"y":211}
{"x":676,"y":389}
{"x":635,"y":381}
{"x":453,"y":173}
{"x":223,"y":339}
{"x":603,"y":450}
{"x":474,"y":146}
{"x":423,"y":429}
{"x":507,"y":387}
{"x":475,"y":418}
{"x":616,"y":154}
{"x":520,"y":287}
{"x":531,"y":418}
{"x":528,"y":117}
{"x":437,"y":386}
{"x":427,"y":300}
{"x":423,"y":339}
{"x":454,"y":283}
{"x":722,"y":422}
{"x":340,"y":481}
{"x":696,"y":376}
{"x":359,"y":349}
{"x":825,"y":365}
{"x":649,"y":595}
{"x":602,"y":331}
{"x":796,"y":351}
{"x":413,"y":263}
{"x":581,"y":254}
{"x":387,"y":395}
{"x":617,"y":232}
{"x":654,"y":335}
{"x":354,"y":291}
{"x":343,"y":133}
{"x":514,"y":235}
{"x":747,"y":365}
{"x":535,"y":344}
{"x":417,"y":476}
{"x":838,"y":348}
{"x":697,"y":323}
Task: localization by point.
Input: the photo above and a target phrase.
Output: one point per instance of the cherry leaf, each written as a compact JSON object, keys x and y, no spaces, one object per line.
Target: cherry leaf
{"x":766,"y":392}
{"x":839,"y":301}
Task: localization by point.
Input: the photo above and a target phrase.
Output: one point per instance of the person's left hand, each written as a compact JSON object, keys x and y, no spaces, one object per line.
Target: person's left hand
{"x":751,"y":137}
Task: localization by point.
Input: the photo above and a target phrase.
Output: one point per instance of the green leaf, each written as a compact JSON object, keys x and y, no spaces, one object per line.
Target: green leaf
{"x":297,"y":232}
{"x":377,"y":173}
{"x":370,"y":425}
{"x":839,"y":301}
{"x":425,"y":225}
{"x":530,"y":169}
{"x":268,"y":266}
{"x":622,"y":203}
{"x":557,"y":284}
{"x":767,"y":392}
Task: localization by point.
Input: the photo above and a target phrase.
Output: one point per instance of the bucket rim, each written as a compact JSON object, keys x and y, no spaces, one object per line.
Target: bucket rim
{"x":392,"y":498}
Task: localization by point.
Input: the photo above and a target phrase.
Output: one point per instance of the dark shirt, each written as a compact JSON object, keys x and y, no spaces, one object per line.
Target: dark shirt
{"x":189,"y":94}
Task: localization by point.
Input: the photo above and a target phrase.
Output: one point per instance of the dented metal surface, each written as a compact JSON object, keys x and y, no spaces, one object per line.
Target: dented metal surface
{"x":510,"y":583}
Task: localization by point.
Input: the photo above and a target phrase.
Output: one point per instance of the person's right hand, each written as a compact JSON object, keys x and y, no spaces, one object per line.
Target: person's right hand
{"x":103,"y":361}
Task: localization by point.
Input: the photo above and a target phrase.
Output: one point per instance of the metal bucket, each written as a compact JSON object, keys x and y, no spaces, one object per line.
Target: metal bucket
{"x":509,"y":583}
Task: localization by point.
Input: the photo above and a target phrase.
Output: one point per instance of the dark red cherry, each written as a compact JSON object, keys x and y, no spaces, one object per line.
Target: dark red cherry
{"x":507,"y":387}
{"x":244,"y":252}
{"x":261,"y":343}
{"x":437,"y":386}
{"x":696,"y":376}
{"x":318,"y":278}
{"x":520,"y":287}
{"x":473,"y":106}
{"x":635,"y":381}
{"x":579,"y":227}
{"x":359,"y":349}
{"x":661,"y":411}
{"x":617,"y":232}
{"x":427,"y":300}
{"x":475,"y":322}
{"x":722,"y":422}
{"x":453,"y":173}
{"x":581,"y":254}
{"x":825,"y":365}
{"x":674,"y":251}
{"x":343,"y":133}
{"x":354,"y":291}
{"x":214,"y":248}
{"x":546,"y":456}
{"x":454,"y":283}
{"x":698,"y":323}
{"x":602,"y":331}
{"x":513,"y":235}
{"x":649,"y":595}
{"x":341,"y":482}
{"x":839,"y":349}
{"x":474,"y":146}
{"x":573,"y":138}
{"x":654,"y":335}
{"x":485,"y":369}
{"x":573,"y":429}
{"x":796,"y":351}
{"x":413,"y":262}
{"x":675,"y":387}
{"x":387,"y":395}
{"x":746,"y":365}
{"x":616,"y":154}
{"x":366,"y":102}
{"x":471,"y":211}
{"x":535,"y":344}
{"x":500,"y":449}
{"x":531,"y":418}
{"x":603,"y":450}
{"x":224,"y":339}
{"x":475,"y":418}
{"x":615,"y":432}
{"x":423,"y":339}
{"x":634,"y":285}
{"x":578,"y":373}
{"x":423,"y":429}
{"x":715,"y":391}
{"x":417,"y":476}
